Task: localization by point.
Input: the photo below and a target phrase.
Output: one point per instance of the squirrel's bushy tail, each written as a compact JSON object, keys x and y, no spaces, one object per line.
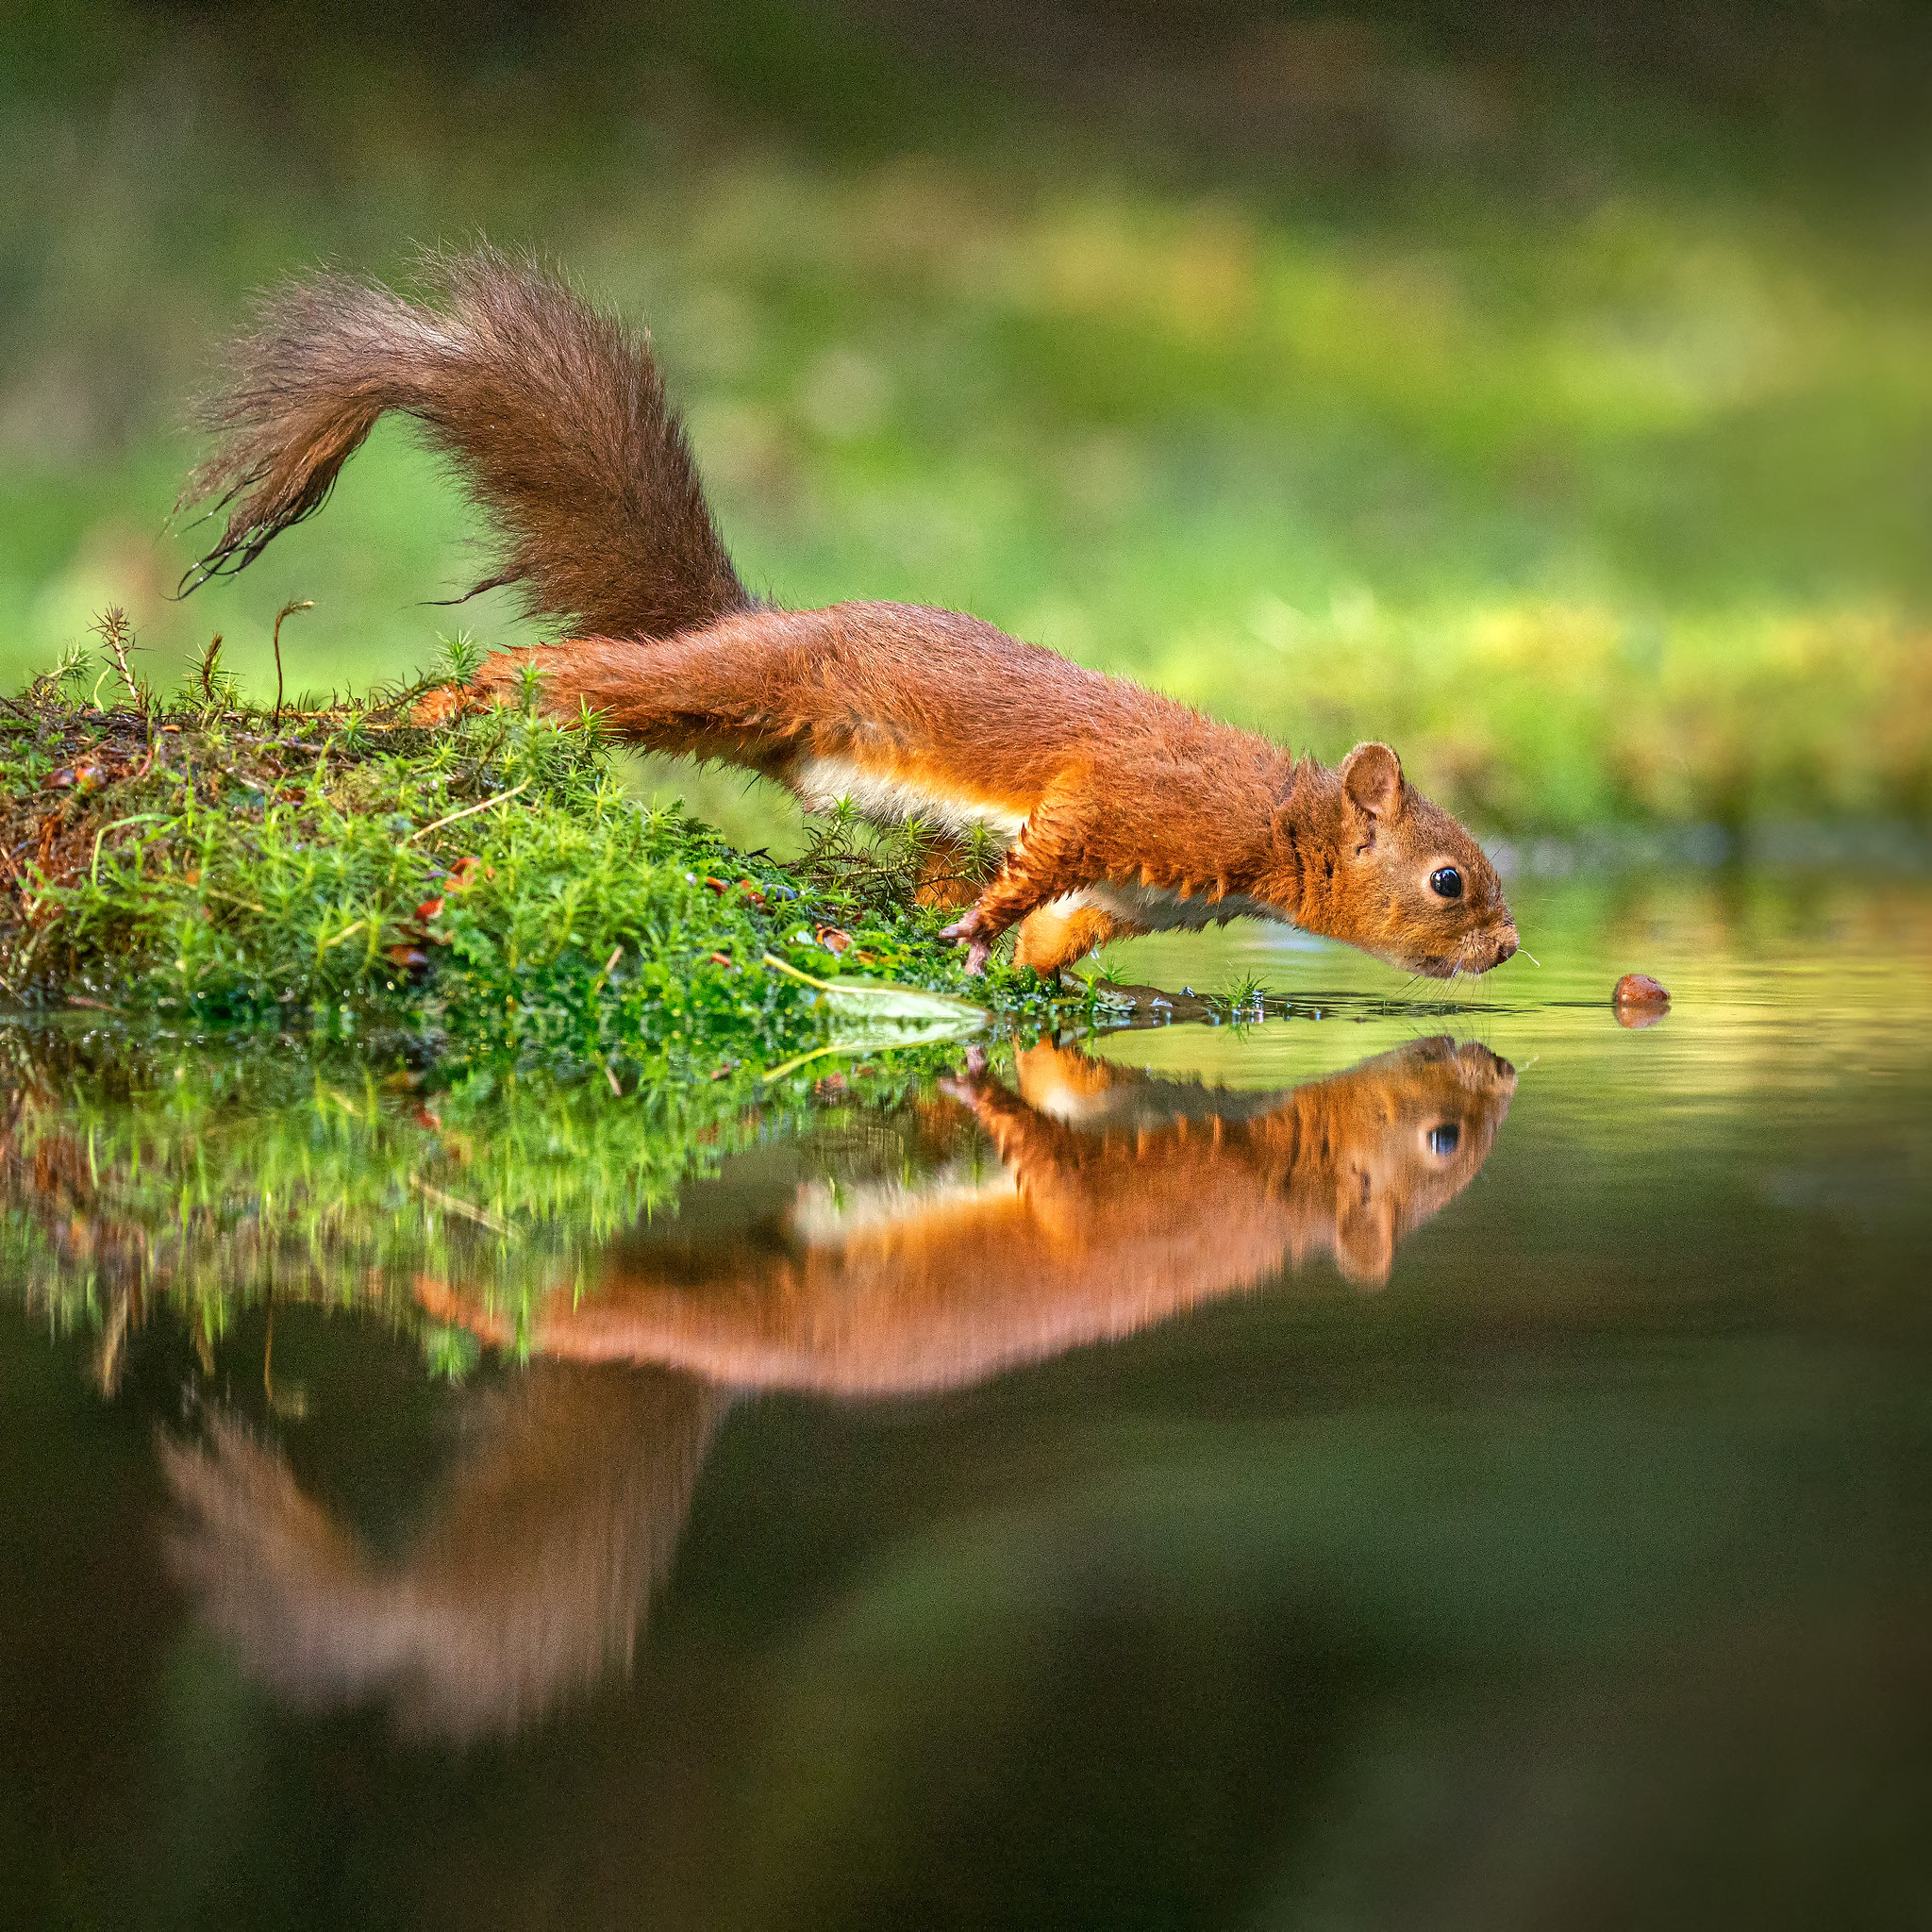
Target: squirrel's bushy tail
{"x":553,"y":415}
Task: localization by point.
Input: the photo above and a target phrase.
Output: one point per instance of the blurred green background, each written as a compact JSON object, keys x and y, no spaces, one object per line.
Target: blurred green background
{"x":1546,"y":389}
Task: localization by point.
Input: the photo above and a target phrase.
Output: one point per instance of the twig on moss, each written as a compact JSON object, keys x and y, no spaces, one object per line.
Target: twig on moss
{"x":481,"y":805}
{"x":609,"y":966}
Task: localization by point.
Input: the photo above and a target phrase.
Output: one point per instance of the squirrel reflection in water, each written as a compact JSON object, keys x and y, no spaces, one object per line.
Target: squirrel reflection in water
{"x":1118,"y":1200}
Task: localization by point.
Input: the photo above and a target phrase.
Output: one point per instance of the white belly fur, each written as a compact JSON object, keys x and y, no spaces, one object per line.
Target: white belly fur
{"x":823,"y":1216}
{"x":1160,"y":908}
{"x":820,"y":783}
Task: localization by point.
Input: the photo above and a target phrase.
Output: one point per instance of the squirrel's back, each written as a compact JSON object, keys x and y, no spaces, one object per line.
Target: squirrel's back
{"x":554,"y":416}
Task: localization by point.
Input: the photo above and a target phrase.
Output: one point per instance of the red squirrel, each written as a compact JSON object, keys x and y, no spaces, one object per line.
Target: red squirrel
{"x":1121,"y":810}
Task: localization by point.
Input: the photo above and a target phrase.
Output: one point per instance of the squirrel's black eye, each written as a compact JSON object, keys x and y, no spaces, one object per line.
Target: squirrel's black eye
{"x":1446,"y":881}
{"x":1444,"y":1140}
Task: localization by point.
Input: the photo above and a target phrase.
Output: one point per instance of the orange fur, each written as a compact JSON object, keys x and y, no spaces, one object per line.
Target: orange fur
{"x":1122,"y":809}
{"x":1049,"y":939}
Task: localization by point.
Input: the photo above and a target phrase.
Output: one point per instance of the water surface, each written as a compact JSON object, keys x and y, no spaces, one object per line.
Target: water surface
{"x":1422,"y":1457}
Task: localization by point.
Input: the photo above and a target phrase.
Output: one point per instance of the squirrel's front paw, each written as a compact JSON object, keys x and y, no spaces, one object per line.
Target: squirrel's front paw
{"x":966,"y":932}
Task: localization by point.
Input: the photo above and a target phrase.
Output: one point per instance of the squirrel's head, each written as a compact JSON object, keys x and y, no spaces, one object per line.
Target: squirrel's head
{"x":1394,"y":874}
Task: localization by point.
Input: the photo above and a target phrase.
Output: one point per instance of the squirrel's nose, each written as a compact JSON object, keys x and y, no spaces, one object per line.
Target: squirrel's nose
{"x":1506,"y":948}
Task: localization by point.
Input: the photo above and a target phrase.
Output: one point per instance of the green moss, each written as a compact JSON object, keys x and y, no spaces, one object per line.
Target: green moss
{"x":488,"y":886}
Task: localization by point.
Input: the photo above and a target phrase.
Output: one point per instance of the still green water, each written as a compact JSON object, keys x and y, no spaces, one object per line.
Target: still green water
{"x":1418,"y":1460}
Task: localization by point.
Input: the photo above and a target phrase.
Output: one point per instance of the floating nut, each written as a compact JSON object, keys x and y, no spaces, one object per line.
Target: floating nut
{"x":1639,"y":1000}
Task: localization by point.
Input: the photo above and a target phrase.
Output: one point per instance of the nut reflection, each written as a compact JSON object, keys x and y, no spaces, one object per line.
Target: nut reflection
{"x":1116,"y":1201}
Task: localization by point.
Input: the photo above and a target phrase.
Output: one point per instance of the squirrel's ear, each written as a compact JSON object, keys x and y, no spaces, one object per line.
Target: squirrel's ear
{"x":1371,"y":778}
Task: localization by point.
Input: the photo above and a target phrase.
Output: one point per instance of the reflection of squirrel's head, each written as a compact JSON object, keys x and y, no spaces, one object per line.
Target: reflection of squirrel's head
{"x":1357,"y":1159}
{"x":1396,"y":1138}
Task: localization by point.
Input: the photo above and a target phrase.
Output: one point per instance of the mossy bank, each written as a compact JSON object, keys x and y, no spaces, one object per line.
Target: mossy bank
{"x":488,"y":887}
